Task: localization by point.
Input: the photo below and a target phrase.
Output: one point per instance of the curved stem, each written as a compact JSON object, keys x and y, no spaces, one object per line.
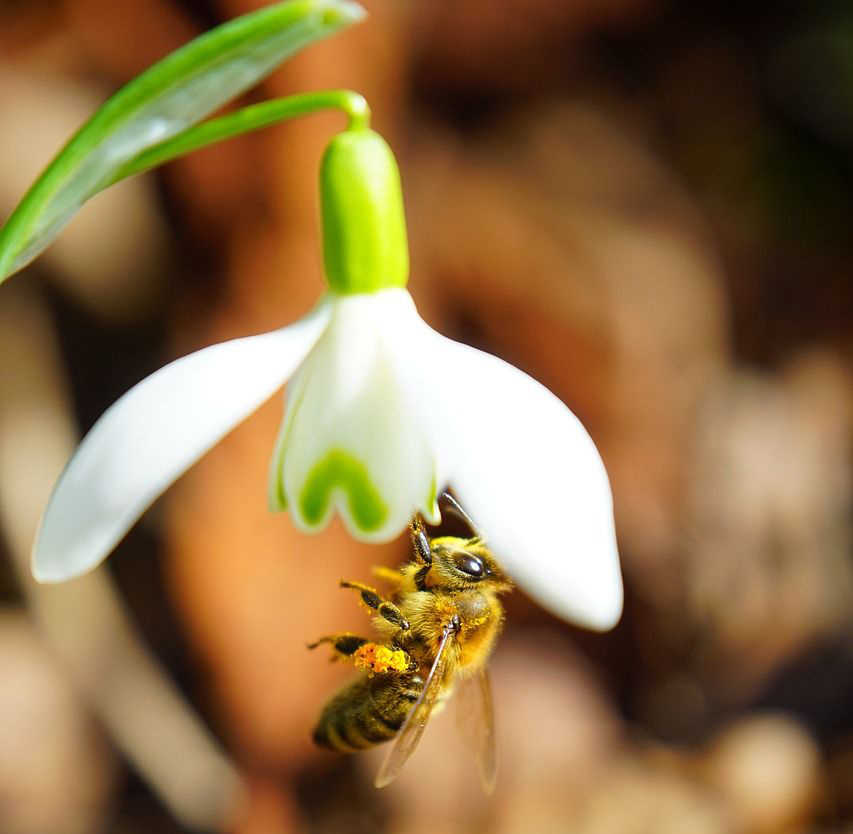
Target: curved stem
{"x":247,"y":119}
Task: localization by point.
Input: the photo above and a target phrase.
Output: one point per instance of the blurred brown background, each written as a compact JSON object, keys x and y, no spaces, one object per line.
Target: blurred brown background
{"x":645,"y":204}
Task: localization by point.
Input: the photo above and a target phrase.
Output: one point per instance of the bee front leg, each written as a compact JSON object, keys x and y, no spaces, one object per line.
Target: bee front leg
{"x":374,"y":657}
{"x":345,"y":645}
{"x":423,"y":550}
{"x":383,"y":607}
{"x":420,"y":541}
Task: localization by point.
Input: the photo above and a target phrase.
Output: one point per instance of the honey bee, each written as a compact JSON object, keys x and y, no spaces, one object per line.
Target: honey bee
{"x":437,"y":628}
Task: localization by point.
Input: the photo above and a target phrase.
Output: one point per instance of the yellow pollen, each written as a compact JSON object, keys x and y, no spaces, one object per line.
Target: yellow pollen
{"x":378,"y":659}
{"x":476,"y":623}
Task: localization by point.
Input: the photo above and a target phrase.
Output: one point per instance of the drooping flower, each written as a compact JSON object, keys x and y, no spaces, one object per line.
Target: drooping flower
{"x":382,"y":412}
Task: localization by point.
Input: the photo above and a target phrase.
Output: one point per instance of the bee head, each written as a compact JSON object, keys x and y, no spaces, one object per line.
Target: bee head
{"x":460,"y":564}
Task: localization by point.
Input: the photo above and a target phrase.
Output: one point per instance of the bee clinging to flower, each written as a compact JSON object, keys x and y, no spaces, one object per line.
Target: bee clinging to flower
{"x":436,"y":629}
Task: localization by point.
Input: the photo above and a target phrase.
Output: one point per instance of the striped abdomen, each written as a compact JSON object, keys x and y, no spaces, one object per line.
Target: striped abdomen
{"x":367,"y":712}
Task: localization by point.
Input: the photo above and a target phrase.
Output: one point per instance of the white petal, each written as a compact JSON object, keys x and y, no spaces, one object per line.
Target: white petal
{"x":149,"y":437}
{"x":350,"y":440}
{"x":529,"y":475}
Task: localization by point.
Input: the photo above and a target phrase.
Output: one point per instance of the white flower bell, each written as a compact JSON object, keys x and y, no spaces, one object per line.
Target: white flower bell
{"x":382,"y":413}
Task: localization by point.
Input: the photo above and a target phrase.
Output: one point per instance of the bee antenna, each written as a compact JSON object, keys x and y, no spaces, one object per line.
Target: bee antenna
{"x":457,"y":507}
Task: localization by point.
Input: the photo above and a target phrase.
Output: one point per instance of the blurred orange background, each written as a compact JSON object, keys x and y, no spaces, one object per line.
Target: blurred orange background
{"x":647,"y":206}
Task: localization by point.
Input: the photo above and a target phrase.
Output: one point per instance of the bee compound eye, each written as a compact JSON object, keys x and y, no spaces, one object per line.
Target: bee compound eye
{"x":469,"y":564}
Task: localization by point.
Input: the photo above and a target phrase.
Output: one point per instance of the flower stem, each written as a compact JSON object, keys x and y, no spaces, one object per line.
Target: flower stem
{"x":245,"y":120}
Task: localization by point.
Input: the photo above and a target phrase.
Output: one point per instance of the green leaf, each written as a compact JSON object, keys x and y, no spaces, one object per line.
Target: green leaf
{"x":167,"y":99}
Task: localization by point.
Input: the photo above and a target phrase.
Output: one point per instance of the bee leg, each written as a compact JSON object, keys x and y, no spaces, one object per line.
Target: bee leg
{"x":420,"y":542}
{"x":344,"y":644}
{"x":383,"y":607}
{"x":421,"y":546}
{"x":393,"y":614}
{"x":389,"y":575}
{"x":374,"y":657}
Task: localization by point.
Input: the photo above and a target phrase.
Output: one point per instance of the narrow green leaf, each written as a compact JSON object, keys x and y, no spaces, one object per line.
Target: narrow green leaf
{"x":166,"y":100}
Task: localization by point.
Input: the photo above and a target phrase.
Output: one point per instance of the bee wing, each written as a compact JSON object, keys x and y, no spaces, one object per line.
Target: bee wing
{"x":476,"y":719}
{"x":413,"y":727}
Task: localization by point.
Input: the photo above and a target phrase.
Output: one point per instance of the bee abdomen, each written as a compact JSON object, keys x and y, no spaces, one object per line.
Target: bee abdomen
{"x":367,"y":712}
{"x":348,"y":732}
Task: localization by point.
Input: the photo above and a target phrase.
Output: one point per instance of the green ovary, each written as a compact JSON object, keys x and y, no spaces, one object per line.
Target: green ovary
{"x":340,"y":470}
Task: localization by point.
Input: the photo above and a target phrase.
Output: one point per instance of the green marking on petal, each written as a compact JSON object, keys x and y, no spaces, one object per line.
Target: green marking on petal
{"x":431,"y":504}
{"x":276,"y":498}
{"x":277,"y":493}
{"x":280,"y":494}
{"x":340,"y":470}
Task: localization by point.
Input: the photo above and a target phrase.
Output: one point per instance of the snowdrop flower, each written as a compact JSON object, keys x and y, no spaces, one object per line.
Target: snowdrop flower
{"x":381,"y":413}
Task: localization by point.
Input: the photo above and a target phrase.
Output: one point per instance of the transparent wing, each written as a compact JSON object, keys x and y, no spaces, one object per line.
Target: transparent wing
{"x":476,"y":719}
{"x":413,"y":727}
